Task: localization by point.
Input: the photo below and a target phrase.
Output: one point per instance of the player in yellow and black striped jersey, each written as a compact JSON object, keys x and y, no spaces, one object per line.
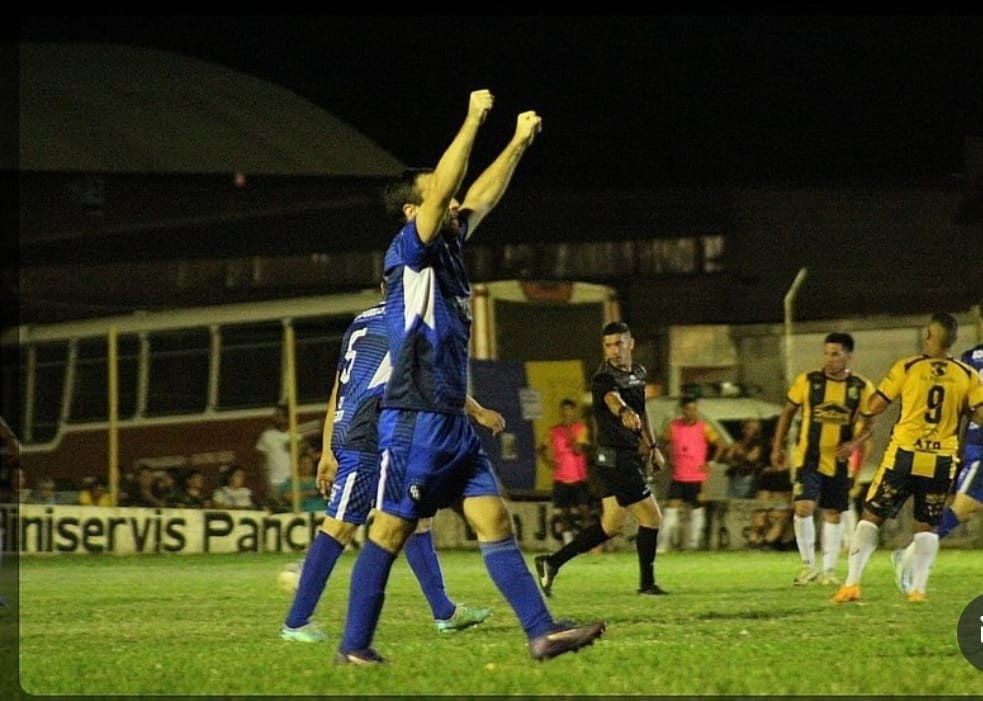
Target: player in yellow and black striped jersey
{"x":935,"y":390}
{"x":833,"y":425}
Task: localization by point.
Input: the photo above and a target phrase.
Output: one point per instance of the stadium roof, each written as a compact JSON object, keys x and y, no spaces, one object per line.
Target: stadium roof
{"x":107,"y":108}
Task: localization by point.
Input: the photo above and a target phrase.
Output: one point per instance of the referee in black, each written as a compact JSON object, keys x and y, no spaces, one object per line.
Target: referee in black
{"x":626,"y":450}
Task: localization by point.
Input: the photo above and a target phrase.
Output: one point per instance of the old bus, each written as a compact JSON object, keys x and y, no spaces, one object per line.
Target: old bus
{"x":195,"y":387}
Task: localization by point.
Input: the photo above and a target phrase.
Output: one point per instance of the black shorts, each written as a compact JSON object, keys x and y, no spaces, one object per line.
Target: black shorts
{"x":624,"y":479}
{"x":570,"y":495}
{"x":774,"y":481}
{"x":893,"y":484}
{"x":688,"y":492}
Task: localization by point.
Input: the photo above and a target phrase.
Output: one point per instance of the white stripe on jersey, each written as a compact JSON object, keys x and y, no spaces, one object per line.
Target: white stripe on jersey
{"x":382,"y":372}
{"x":418,"y":296}
{"x":346,"y":495}
{"x":383,"y":472}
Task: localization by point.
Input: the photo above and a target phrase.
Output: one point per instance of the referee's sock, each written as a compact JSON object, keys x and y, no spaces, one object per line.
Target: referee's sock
{"x":587,"y":539}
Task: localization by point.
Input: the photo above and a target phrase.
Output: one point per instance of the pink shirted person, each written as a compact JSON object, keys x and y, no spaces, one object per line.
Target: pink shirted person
{"x":568,"y":452}
{"x":692,"y":440}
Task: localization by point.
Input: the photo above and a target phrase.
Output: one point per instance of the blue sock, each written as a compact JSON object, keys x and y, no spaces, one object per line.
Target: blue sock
{"x":422,"y":557}
{"x":512,"y":577}
{"x":366,"y":596}
{"x":320,"y":560}
{"x":949,"y":521}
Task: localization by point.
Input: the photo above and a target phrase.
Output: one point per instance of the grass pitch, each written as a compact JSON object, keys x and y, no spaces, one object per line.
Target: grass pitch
{"x":207,"y":625}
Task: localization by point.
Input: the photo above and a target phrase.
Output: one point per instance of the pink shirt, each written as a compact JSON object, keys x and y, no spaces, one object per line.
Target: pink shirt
{"x":568,"y":466}
{"x":690,"y":447}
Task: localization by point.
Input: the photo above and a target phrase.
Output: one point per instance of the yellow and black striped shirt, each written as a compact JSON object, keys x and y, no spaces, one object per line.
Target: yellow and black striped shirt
{"x":830,"y":409}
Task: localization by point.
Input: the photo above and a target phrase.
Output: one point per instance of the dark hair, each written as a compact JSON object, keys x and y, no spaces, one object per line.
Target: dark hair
{"x":568,"y":402}
{"x":844,"y":339}
{"x":615,"y":327}
{"x":947,"y":322}
{"x":688,"y":399}
{"x":402,"y":190}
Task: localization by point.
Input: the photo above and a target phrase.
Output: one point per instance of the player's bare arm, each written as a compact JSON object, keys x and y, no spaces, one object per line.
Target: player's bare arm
{"x":781,"y":431}
{"x":327,"y":466}
{"x":489,"y":418}
{"x":488,"y":188}
{"x":445,"y":180}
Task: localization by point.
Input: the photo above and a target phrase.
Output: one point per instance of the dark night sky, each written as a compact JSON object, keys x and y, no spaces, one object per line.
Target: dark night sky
{"x":625,"y":100}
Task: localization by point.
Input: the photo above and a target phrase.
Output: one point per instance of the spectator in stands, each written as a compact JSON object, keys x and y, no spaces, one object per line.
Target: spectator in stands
{"x":45,"y":492}
{"x":165,"y":487}
{"x":310,"y":496}
{"x":273,"y":455}
{"x":193,"y":494}
{"x":94,"y":493}
{"x":144,"y":491}
{"x":22,"y":492}
{"x":233,"y":494}
{"x":744,"y":459}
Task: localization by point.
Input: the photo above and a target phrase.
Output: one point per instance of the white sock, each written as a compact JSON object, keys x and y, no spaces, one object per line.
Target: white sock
{"x":697,"y":520}
{"x":849,"y":521}
{"x":862,"y":545}
{"x":908,"y":557}
{"x":805,"y":538}
{"x":926,"y":547}
{"x":832,"y":535}
{"x":670,"y":518}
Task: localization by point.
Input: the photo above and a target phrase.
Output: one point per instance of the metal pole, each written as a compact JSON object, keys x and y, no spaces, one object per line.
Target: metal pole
{"x":290,"y":348}
{"x":112,"y":359}
{"x":789,"y":370}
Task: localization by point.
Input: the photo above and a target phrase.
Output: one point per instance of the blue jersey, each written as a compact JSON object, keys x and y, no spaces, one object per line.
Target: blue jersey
{"x":363,"y":369}
{"x":974,"y":358}
{"x":428,"y":316}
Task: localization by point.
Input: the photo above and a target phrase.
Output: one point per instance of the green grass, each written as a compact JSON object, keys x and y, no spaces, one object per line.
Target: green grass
{"x":733,"y":625}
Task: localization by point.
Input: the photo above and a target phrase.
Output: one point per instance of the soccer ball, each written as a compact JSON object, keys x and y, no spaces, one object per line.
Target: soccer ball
{"x":289,"y":576}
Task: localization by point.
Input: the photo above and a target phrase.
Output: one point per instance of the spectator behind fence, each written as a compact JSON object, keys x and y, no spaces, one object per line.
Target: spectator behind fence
{"x":273,"y":456}
{"x":23,"y":493}
{"x":310,"y":496}
{"x":233,"y":494}
{"x":143,"y":491}
{"x":193,"y":494}
{"x":744,"y":459}
{"x":94,"y":493}
{"x":45,"y":492}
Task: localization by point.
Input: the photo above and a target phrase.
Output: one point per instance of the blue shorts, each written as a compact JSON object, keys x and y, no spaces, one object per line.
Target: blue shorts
{"x":829,"y":492}
{"x":429,"y":462}
{"x":970,"y":478}
{"x":354,"y":489}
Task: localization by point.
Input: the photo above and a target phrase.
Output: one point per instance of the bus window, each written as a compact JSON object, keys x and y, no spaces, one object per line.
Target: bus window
{"x":251,"y":365}
{"x":90,"y":397}
{"x":317,"y":344}
{"x":178,"y":377}
{"x":50,"y":361}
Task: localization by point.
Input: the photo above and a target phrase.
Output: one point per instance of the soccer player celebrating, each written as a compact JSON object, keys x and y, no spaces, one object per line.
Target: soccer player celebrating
{"x":431,"y":454}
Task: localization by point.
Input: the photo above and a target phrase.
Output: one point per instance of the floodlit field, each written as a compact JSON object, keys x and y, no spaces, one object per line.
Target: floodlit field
{"x":733,"y":625}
